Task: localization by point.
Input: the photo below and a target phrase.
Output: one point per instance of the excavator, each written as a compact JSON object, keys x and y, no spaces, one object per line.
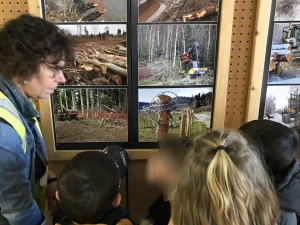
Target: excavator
{"x":291,"y":35}
{"x":191,"y":59}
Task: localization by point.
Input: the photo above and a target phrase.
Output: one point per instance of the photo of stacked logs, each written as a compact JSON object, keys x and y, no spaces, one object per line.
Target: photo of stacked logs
{"x":280,"y":53}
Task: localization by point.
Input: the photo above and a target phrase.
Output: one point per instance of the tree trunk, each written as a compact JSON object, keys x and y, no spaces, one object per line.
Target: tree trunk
{"x":87,"y":102}
{"x":121,"y":48}
{"x":74,"y":106}
{"x":97,"y":104}
{"x":66,"y":100}
{"x":60,"y":99}
{"x":81,"y":101}
{"x":92,"y":100}
{"x":208,"y":42}
{"x":183,"y":37}
{"x":175,"y":45}
{"x":167,"y":44}
{"x":272,"y":65}
{"x":204,"y":12}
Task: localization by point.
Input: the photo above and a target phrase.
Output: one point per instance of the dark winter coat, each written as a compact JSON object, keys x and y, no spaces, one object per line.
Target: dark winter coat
{"x":287,"y":185}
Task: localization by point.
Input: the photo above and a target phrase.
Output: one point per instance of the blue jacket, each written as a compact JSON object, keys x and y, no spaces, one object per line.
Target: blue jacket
{"x":17,"y":169}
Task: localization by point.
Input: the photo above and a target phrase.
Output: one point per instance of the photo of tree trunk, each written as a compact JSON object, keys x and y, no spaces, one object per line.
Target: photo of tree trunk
{"x":182,"y":111}
{"x":287,"y":10}
{"x":58,"y":11}
{"x":100,"y":55}
{"x":284,"y":67}
{"x":90,"y":115}
{"x":176,"y":54}
{"x":282,"y":105}
{"x":178,"y":11}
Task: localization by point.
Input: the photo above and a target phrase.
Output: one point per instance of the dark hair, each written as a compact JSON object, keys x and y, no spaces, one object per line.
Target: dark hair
{"x":26,"y":41}
{"x":87,"y":186}
{"x":176,"y":146}
{"x":277,"y":143}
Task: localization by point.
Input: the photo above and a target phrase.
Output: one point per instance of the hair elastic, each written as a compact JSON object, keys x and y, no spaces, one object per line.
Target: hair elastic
{"x":221,"y":147}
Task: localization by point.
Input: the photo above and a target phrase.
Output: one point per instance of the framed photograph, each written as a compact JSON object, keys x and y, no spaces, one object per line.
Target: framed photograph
{"x":284,"y":65}
{"x":178,"y":11}
{"x":58,"y":11}
{"x":282,"y":104}
{"x":90,"y":115}
{"x":186,"y":112}
{"x":287,"y":10}
{"x":176,"y":54}
{"x":100,"y":54}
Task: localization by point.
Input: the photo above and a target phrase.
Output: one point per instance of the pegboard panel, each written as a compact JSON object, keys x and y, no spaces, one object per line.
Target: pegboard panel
{"x":10,"y":9}
{"x":240,"y":62}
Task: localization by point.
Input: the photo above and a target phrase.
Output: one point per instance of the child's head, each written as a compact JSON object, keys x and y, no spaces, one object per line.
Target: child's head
{"x":277,"y":143}
{"x":88,"y":187}
{"x":165,"y":165}
{"x":223,"y":182}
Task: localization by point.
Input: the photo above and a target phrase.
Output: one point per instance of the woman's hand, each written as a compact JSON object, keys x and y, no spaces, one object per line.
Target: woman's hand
{"x":53,"y":203}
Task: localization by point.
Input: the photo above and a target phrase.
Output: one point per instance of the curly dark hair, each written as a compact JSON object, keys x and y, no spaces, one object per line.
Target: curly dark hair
{"x":27,"y":41}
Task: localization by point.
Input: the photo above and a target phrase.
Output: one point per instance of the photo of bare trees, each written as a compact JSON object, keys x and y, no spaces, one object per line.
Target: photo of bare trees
{"x":100,"y":57}
{"x":282,"y":105}
{"x":58,"y":11}
{"x":90,"y":115}
{"x":186,"y":112}
{"x":176,"y":54}
{"x":177,"y":11}
{"x":287,"y":10}
{"x":284,"y":67}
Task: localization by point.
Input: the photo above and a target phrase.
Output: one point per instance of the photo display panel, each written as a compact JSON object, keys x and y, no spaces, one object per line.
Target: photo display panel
{"x":142,"y":69}
{"x":280,"y":99}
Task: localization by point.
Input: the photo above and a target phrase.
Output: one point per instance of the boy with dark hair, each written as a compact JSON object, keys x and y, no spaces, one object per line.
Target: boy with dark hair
{"x":278,"y":146}
{"x":162,"y":170}
{"x":89,"y":187}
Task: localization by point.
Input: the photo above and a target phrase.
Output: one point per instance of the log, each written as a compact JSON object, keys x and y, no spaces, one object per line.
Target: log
{"x":272,"y":65}
{"x":206,"y":11}
{"x":51,"y":5}
{"x":121,"y":48}
{"x":110,"y":60}
{"x":282,"y":55}
{"x":281,"y":52}
{"x":115,"y":57}
{"x":81,"y":7}
{"x":94,"y":15}
{"x":117,"y":79}
{"x":115,"y":51}
{"x":110,"y":66}
{"x":282,"y":47}
{"x":284,"y":58}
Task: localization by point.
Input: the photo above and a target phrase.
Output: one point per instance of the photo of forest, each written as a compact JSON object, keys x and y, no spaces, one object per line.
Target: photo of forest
{"x":183,"y":111}
{"x":287,"y":10}
{"x":57,"y":11}
{"x":176,"y":54}
{"x":178,"y":11}
{"x":282,"y":105}
{"x":90,"y":115}
{"x":100,"y":55}
{"x":284,"y":67}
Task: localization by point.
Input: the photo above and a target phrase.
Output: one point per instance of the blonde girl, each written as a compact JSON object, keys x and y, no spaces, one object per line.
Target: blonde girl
{"x":223,"y":182}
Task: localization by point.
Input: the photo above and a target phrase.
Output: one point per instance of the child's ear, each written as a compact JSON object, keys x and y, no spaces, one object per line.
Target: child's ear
{"x":57,"y":196}
{"x":117,"y":201}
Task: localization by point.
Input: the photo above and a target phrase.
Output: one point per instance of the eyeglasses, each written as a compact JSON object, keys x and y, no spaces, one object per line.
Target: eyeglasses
{"x":55,"y":68}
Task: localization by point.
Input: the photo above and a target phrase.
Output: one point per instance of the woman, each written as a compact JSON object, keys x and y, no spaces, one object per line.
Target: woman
{"x":33,"y":53}
{"x":223,"y":183}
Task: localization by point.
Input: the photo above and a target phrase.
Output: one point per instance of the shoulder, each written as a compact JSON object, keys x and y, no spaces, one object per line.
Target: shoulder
{"x":9,"y":138}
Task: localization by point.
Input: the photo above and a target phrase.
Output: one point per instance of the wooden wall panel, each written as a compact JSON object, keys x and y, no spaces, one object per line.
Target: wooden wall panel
{"x":240,"y":62}
{"x":11,"y":9}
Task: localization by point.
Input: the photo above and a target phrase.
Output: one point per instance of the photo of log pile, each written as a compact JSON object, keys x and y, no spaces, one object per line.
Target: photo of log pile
{"x":180,"y":11}
{"x":280,"y":53}
{"x":100,"y":55}
{"x":85,"y":10}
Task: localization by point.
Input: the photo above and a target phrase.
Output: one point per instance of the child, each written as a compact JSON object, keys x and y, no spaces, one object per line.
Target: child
{"x":278,"y":145}
{"x":89,"y":188}
{"x":223,"y":182}
{"x":163,"y":169}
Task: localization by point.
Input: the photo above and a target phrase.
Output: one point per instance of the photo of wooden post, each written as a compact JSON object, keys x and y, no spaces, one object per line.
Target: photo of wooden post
{"x":284,"y":67}
{"x":282,"y":105}
{"x":90,"y":115}
{"x":176,"y":54}
{"x":178,"y":11}
{"x":287,"y":10}
{"x":186,"y":112}
{"x":100,"y":54}
{"x":58,"y":11}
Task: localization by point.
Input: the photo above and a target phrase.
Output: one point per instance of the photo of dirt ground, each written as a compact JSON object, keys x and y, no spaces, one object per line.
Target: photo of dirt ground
{"x":90,"y":115}
{"x":178,"y":10}
{"x":287,"y":10}
{"x":285,"y":54}
{"x":58,"y":11}
{"x":176,"y":54}
{"x":186,"y":112}
{"x":100,"y":55}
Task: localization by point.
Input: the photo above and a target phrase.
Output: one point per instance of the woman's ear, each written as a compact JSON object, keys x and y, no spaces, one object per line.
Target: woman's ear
{"x":57,"y":196}
{"x":117,"y":201}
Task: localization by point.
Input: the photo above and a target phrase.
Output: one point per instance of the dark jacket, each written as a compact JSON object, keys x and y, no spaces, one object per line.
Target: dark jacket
{"x":287,"y":185}
{"x":113,"y":217}
{"x":160,"y":212}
